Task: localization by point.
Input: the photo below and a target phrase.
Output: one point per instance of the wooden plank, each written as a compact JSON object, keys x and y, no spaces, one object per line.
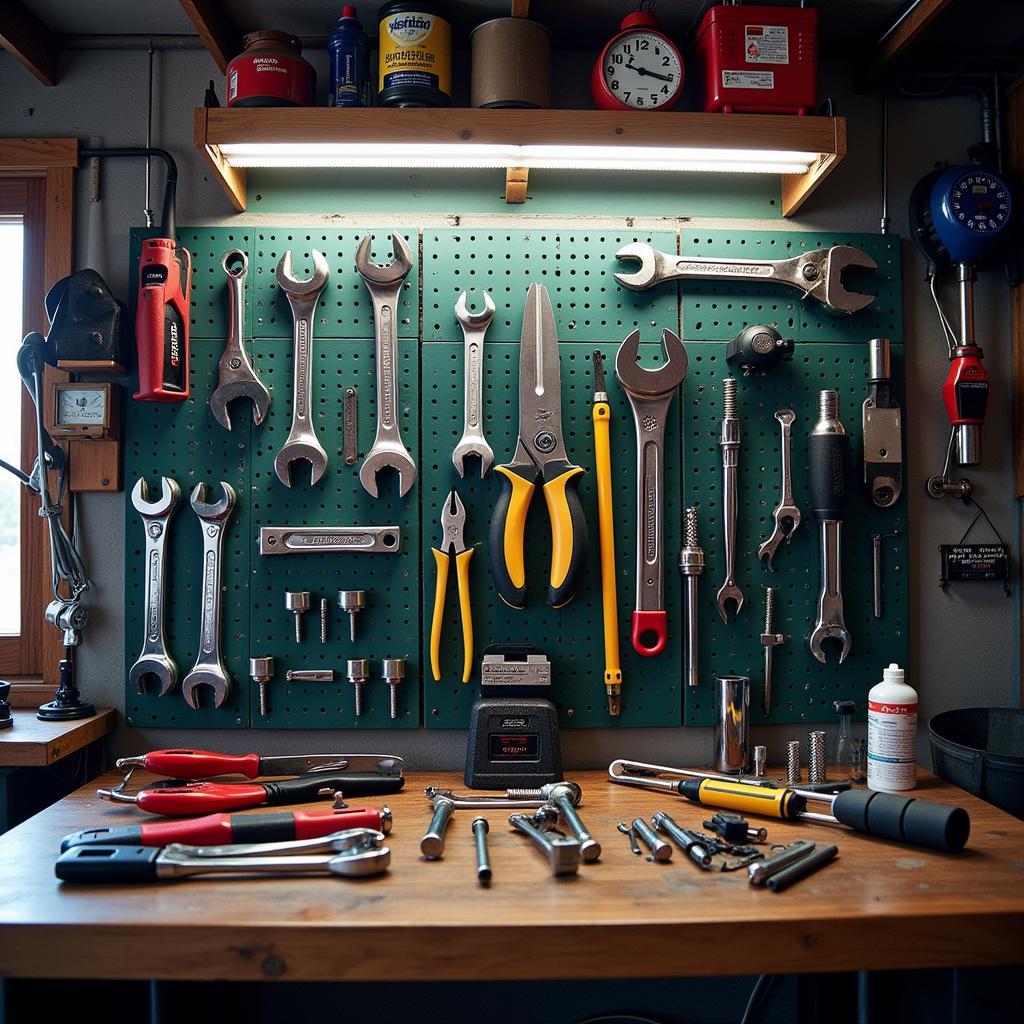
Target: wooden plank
{"x":517,"y":180}
{"x":795,"y":189}
{"x":28,"y":40}
{"x":215,"y":29}
{"x":95,"y":465}
{"x":33,"y":155}
{"x":909,"y":31}
{"x":231,"y":179}
{"x":879,"y":906}
{"x":30,"y":742}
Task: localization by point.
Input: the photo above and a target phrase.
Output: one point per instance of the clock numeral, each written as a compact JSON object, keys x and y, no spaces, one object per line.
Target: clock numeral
{"x":643,"y":44}
{"x":665,"y":62}
{"x":614,"y":84}
{"x":627,"y":47}
{"x":627,"y":94}
{"x":617,"y":58}
{"x":639,"y":101}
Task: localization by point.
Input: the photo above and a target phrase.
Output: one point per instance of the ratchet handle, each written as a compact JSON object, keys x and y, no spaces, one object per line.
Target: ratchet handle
{"x":650,"y":632}
{"x":200,"y":764}
{"x":568,"y":530}
{"x":507,"y":532}
{"x":903,"y":818}
{"x":108,"y":864}
{"x":829,"y":461}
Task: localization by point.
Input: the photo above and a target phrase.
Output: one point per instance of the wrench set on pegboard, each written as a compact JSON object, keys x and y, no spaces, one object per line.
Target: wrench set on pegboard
{"x":386,"y":540}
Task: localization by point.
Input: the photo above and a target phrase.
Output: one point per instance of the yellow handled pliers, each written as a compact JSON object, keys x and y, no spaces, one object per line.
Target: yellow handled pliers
{"x":453,"y":522}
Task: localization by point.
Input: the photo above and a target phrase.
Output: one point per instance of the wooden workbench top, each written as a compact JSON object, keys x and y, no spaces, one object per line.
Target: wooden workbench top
{"x":33,"y":743}
{"x":880,"y":905}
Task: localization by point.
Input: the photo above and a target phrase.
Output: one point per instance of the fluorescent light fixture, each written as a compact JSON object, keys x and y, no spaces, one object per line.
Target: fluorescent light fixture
{"x":474,"y":155}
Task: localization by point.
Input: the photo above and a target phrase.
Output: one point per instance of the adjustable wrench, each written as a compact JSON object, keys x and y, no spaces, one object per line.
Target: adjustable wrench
{"x":650,"y":395}
{"x":302,"y":443}
{"x":209,"y":668}
{"x":729,"y":443}
{"x":818,"y":273}
{"x":236,"y":377}
{"x":156,"y":517}
{"x":385,"y":286}
{"x":474,"y":327}
{"x":829,"y":452}
{"x":786,"y":510}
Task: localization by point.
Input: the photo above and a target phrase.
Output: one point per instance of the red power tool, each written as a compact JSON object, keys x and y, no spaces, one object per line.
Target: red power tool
{"x":966,"y":396}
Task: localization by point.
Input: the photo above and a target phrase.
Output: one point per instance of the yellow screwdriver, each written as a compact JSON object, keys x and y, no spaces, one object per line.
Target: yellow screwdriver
{"x":602,"y":416}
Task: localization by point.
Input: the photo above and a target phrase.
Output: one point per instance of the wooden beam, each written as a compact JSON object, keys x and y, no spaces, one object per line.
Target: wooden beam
{"x":215,"y":28}
{"x":231,"y":179}
{"x":796,"y":188}
{"x":36,"y":156}
{"x":908,"y":32}
{"x":516,"y":181}
{"x":28,"y":40}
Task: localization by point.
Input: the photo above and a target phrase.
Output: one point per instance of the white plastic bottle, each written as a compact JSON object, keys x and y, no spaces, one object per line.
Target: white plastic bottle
{"x":892,"y":733}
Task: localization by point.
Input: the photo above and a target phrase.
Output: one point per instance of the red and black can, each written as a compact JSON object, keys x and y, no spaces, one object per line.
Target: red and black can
{"x":270,"y":72}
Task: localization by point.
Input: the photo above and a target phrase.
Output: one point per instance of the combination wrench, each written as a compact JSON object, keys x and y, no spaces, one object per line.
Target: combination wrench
{"x":209,"y":668}
{"x":235,"y":375}
{"x":385,"y":286}
{"x":729,"y":438}
{"x":786,"y":510}
{"x":156,"y":518}
{"x":302,"y":443}
{"x":474,"y":327}
{"x":650,"y":395}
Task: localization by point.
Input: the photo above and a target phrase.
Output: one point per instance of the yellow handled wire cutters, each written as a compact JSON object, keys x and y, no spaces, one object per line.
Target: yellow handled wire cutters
{"x":453,"y":522}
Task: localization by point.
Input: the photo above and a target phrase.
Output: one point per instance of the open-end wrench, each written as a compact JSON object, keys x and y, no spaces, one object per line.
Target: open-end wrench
{"x":385,"y":286}
{"x":786,"y":510}
{"x":818,"y":273}
{"x":235,"y":375}
{"x":729,"y":443}
{"x":829,"y":459}
{"x":209,"y":668}
{"x":474,"y":327}
{"x":156,"y":517}
{"x":302,"y":443}
{"x":650,"y":395}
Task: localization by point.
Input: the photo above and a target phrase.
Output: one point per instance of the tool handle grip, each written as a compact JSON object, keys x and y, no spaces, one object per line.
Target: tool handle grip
{"x":129,"y":835}
{"x":601,"y":415}
{"x":108,"y":864}
{"x":568,"y":530}
{"x":162,"y":322}
{"x":507,"y":534}
{"x":650,"y":632}
{"x":437,"y":620}
{"x":200,"y":764}
{"x":742,"y":797}
{"x":310,"y":786}
{"x":903,"y":818}
{"x":465,"y":611}
{"x":829,"y":467}
{"x":197,"y":797}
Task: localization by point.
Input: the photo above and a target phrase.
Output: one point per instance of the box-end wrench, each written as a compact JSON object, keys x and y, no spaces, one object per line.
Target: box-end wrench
{"x":474,"y":327}
{"x":650,"y":395}
{"x":786,"y":510}
{"x":385,"y":286}
{"x":209,"y":668}
{"x":818,"y":273}
{"x":829,"y":453}
{"x":302,"y":443}
{"x":729,"y":442}
{"x":235,"y":375}
{"x":156,"y":518}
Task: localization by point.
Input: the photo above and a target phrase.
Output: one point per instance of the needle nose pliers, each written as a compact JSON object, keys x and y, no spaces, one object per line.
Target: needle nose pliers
{"x":453,"y":522}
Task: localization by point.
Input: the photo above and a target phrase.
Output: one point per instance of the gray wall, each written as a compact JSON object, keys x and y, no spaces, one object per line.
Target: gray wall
{"x":963,"y":643}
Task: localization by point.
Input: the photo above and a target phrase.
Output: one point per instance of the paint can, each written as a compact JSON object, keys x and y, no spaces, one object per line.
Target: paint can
{"x":511,"y":60}
{"x":415,"y":59}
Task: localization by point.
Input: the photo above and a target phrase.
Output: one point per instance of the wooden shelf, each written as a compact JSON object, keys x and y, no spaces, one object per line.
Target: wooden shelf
{"x":823,"y":136}
{"x":32,"y":742}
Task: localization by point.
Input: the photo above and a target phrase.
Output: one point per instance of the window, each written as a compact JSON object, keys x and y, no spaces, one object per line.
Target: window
{"x":12,"y":258}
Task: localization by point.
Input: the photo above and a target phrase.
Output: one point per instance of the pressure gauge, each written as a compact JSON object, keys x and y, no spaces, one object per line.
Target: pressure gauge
{"x":971,"y":208}
{"x":640,"y":68}
{"x":81,"y":410}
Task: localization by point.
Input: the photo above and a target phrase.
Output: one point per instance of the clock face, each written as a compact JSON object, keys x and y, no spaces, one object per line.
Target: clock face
{"x":979,"y":202}
{"x":642,"y":70}
{"x":81,"y":407}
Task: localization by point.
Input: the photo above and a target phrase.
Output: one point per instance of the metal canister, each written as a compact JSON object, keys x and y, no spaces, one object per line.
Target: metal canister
{"x":511,"y":64}
{"x":270,"y":72}
{"x":414,"y":66}
{"x":732,"y":732}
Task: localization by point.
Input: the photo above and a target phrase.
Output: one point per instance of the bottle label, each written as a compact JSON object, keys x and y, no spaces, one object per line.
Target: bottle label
{"x":415,"y":52}
{"x":892,"y":745}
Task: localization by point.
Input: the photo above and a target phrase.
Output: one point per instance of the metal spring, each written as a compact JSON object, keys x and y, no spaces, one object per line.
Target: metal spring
{"x":729,"y":398}
{"x":690,"y":527}
{"x":769,"y":609}
{"x":816,"y":757}
{"x":793,"y":763}
{"x":828,"y":404}
{"x":323,"y":619}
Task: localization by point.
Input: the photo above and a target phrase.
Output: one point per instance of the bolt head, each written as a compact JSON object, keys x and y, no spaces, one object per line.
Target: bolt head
{"x":296,"y":600}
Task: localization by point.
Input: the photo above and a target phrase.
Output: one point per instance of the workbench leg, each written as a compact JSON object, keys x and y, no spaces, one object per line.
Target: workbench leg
{"x":5,"y":798}
{"x":864,"y":1009}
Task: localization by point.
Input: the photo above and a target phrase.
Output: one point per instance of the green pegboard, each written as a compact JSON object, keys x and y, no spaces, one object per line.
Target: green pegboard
{"x":719,"y":310}
{"x":576,"y":267}
{"x":572,"y":637}
{"x":803,"y":689}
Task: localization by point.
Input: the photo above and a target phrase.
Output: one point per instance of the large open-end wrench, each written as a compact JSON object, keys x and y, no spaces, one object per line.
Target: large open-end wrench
{"x":818,"y":273}
{"x":235,"y":375}
{"x":156,"y":517}
{"x":385,"y":286}
{"x":786,"y":510}
{"x":650,"y":395}
{"x":474,"y":327}
{"x":209,"y":668}
{"x":302,"y":443}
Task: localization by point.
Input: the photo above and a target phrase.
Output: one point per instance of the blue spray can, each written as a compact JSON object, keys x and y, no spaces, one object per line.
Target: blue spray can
{"x":349,"y":54}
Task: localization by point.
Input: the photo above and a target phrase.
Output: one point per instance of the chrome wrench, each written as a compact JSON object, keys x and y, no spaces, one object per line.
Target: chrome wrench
{"x":302,"y":443}
{"x":156,"y":518}
{"x":235,"y":375}
{"x":650,"y":395}
{"x":474,"y":327}
{"x":209,"y":668}
{"x":385,"y":286}
{"x":729,"y":442}
{"x":786,"y":510}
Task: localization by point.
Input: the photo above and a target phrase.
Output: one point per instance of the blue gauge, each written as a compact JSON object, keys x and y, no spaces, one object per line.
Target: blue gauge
{"x":971,"y":209}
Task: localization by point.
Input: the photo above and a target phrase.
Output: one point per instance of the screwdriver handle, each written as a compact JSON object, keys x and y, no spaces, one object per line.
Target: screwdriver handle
{"x":828,"y":451}
{"x":200,"y":764}
{"x":601,"y":415}
{"x":507,"y":532}
{"x":568,"y":530}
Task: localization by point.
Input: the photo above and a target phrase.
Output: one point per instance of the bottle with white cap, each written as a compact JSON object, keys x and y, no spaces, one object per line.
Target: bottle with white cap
{"x":892,"y":733}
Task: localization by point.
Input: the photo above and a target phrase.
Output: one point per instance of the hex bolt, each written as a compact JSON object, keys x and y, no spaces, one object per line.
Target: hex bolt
{"x":660,"y":850}
{"x":310,"y":675}
{"x":393,"y":670}
{"x":562,"y":852}
{"x":324,"y":612}
{"x":261,"y":671}
{"x":297,"y":601}
{"x":352,"y":601}
{"x":358,"y":671}
{"x":432,"y":843}
{"x":483,"y":860}
{"x":563,"y":798}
